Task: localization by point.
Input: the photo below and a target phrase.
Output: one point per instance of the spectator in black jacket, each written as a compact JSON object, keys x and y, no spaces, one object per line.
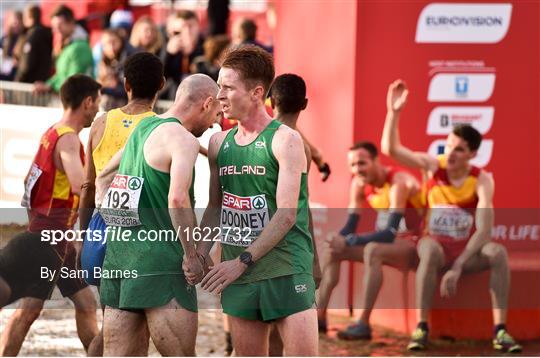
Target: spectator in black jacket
{"x":36,"y":57}
{"x":185,"y":42}
{"x":244,"y":32}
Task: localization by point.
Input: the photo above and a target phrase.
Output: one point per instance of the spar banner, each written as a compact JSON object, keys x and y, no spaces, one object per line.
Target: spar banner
{"x":475,"y":63}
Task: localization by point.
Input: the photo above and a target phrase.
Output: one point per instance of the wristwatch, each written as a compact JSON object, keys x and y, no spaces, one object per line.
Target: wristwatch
{"x":246,"y":258}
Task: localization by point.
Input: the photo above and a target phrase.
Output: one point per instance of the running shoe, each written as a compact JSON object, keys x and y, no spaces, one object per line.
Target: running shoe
{"x":419,"y":340}
{"x":505,"y":343}
{"x":356,"y":331}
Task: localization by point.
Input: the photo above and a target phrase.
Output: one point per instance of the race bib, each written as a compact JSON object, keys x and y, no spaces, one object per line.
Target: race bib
{"x":382,"y":221}
{"x":120,"y":206}
{"x":33,"y":177}
{"x":243,"y":218}
{"x":450,"y":221}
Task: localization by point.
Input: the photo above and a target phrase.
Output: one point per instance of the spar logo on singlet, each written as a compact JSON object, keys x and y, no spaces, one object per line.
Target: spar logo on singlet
{"x":450,"y":221}
{"x":243,"y":218}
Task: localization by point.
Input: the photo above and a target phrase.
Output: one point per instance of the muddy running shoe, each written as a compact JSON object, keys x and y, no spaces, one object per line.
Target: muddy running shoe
{"x":419,"y":340}
{"x":505,"y":343}
{"x":356,"y":332}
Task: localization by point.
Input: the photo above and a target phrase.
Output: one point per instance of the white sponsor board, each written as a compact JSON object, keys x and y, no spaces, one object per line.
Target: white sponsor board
{"x":443,"y":119}
{"x":21,"y":128}
{"x":463,"y":23}
{"x":461,"y":87}
{"x":483,"y":156}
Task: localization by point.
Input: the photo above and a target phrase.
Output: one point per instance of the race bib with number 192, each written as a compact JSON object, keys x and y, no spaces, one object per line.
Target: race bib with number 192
{"x":120,"y":207}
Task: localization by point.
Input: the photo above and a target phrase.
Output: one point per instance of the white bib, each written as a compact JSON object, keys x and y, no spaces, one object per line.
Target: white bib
{"x":243,"y":218}
{"x":120,"y":207}
{"x":33,"y":177}
{"x":451,"y":221}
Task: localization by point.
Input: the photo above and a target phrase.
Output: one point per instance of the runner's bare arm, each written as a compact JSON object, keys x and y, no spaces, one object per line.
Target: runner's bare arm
{"x":105,"y":178}
{"x":309,"y":156}
{"x":484,"y":224}
{"x":390,"y":141}
{"x":203,"y":151}
{"x":289,"y":151}
{"x":316,"y":155}
{"x":317,"y":158}
{"x":184,"y":149}
{"x":88,"y":189}
{"x":484,"y":218}
{"x":68,"y":148}
{"x":356,"y":199}
{"x":403,"y":185}
{"x":317,"y":274}
{"x":356,"y":196}
{"x":211,"y":214}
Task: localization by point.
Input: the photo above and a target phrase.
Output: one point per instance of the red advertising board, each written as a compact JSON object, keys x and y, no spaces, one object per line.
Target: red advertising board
{"x":464,"y":62}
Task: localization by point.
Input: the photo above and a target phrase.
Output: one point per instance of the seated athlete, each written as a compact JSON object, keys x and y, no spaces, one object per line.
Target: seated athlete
{"x":458,"y":236}
{"x":390,"y":191}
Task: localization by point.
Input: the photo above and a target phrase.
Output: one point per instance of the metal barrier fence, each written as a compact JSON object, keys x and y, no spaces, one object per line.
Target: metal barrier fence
{"x":22,"y":94}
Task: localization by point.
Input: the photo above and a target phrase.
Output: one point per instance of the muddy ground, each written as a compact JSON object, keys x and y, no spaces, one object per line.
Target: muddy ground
{"x":54,"y":334}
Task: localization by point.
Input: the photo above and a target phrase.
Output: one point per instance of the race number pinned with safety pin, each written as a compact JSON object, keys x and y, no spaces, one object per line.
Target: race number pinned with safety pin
{"x":120,"y":206}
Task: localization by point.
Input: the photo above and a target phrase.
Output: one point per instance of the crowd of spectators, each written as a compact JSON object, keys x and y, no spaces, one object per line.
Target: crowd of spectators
{"x":32,"y":53}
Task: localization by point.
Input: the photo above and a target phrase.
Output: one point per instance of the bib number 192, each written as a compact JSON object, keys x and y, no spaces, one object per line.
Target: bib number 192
{"x":121,"y":204}
{"x":117,"y":200}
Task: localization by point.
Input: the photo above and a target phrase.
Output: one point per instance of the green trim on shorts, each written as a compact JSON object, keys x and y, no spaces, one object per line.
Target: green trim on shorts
{"x":270,"y":299}
{"x":148,"y":292}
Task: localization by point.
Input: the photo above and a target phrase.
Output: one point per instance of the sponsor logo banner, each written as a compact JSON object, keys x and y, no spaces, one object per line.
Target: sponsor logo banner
{"x":461,"y":87}
{"x":443,"y":119}
{"x":463,"y":23}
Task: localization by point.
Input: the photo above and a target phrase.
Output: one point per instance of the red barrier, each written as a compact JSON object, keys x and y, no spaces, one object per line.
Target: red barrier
{"x":477,"y":64}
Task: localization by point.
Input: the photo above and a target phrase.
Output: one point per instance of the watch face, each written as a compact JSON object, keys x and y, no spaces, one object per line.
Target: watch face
{"x":245,"y":257}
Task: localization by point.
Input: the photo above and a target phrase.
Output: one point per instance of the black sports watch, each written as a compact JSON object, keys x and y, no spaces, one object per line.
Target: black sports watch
{"x":246,"y":258}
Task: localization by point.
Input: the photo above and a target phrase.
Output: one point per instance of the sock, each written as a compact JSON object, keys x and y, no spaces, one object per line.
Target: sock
{"x":498,"y":327}
{"x":423,"y":325}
